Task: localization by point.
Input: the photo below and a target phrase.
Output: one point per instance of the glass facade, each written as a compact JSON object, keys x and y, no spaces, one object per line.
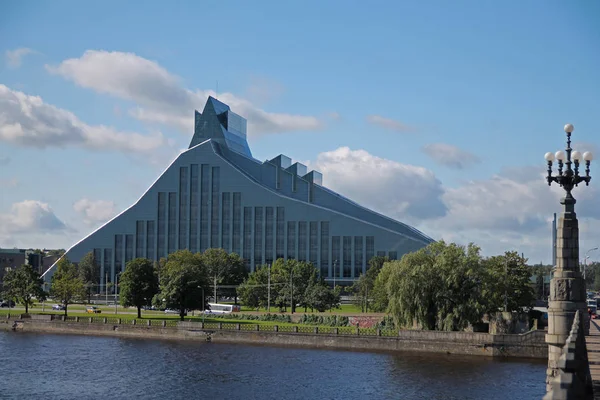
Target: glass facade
{"x":237,"y":222}
{"x":183,"y":208}
{"x":204,"y":206}
{"x":393,"y":255}
{"x":172,"y":224}
{"x":313,"y":243}
{"x":162,"y":207}
{"x":247,"y":235}
{"x":99,"y":265}
{"x":139,"y":238}
{"x":226,"y":222}
{"x":302,"y":240}
{"x":214,"y":224}
{"x":280,"y":236}
{"x":325,"y":249}
{"x":336,"y":256}
{"x":109,"y":271}
{"x":150,"y":240}
{"x":347,"y":256}
{"x":358,"y":256}
{"x":269,"y":237}
{"x":291,"y":239}
{"x":194,"y":210}
{"x":118,"y":254}
{"x":370,"y":248}
{"x":258,"y":236}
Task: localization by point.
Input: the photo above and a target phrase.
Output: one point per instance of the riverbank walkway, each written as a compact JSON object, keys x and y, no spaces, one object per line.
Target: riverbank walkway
{"x":593,"y":347}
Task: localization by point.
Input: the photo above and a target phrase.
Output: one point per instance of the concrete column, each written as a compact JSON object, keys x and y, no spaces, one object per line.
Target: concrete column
{"x":567,"y":287}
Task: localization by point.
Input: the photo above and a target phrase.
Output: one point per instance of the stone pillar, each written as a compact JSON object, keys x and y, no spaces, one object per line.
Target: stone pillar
{"x":567,"y":288}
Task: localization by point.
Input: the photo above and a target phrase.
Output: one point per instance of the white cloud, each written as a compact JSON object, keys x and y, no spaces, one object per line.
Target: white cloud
{"x":14,"y":58}
{"x":450,"y":156}
{"x":390,"y":124}
{"x":399,"y":190}
{"x":30,"y":216}
{"x":95,"y":211}
{"x":161,"y":97}
{"x":27,"y":121}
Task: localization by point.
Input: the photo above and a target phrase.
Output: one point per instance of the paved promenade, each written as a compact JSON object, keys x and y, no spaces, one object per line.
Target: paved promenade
{"x":593,"y":348}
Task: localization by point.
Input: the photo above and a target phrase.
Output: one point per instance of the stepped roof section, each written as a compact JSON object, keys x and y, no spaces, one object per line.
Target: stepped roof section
{"x":227,"y":131}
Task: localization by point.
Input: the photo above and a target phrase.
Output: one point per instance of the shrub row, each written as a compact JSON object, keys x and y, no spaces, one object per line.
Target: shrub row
{"x":328,"y":320}
{"x":250,"y":317}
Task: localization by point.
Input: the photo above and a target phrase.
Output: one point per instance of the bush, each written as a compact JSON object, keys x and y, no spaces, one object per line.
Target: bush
{"x":250,"y":317}
{"x":328,"y":320}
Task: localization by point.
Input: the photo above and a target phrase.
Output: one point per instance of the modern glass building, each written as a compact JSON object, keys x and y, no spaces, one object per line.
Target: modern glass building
{"x":215,"y":194}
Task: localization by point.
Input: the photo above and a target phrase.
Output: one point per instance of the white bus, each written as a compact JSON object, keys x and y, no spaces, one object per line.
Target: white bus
{"x":216,"y":308}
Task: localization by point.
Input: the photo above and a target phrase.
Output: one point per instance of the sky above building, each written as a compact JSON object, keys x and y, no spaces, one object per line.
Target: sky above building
{"x":434,"y":113}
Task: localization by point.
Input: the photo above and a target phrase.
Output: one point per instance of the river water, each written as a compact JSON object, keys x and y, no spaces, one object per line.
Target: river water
{"x":40,"y":366}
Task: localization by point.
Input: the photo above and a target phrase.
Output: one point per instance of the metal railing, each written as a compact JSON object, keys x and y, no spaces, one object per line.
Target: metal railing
{"x":573,"y":380}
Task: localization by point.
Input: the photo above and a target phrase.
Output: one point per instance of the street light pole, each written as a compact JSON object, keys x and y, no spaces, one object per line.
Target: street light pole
{"x":334,"y":272}
{"x":585,"y":261}
{"x":567,"y":293}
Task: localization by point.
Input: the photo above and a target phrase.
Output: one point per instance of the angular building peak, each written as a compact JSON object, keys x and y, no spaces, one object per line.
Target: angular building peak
{"x":218,"y":123}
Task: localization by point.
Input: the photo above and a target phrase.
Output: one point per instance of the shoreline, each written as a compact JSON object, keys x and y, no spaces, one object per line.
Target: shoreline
{"x":529,"y":345}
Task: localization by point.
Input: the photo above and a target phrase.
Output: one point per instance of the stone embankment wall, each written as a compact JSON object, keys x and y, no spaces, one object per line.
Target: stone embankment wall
{"x":529,"y":345}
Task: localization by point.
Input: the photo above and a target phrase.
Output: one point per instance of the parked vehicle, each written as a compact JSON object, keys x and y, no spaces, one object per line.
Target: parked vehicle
{"x":93,"y":310}
{"x":7,"y":303}
{"x":58,"y":307}
{"x":216,"y":308}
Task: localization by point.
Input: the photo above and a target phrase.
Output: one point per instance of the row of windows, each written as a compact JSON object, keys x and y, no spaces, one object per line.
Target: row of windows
{"x":199,"y":216}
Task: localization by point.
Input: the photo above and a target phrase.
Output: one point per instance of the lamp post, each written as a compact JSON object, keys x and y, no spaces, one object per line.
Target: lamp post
{"x":116,"y":290}
{"x":567,"y":287}
{"x":334,"y":272}
{"x":585,"y":260}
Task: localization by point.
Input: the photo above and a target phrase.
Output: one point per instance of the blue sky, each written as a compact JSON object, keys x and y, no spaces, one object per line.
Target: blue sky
{"x":462,"y":97}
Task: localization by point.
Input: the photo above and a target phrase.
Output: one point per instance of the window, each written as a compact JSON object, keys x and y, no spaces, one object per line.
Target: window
{"x":370,"y":252}
{"x":291,"y":239}
{"x":336,"y":256}
{"x":226,"y":222}
{"x":358,"y":256}
{"x":302,"y":240}
{"x":108,"y":270}
{"x":118,"y":254}
{"x":150,"y":240}
{"x":204,"y":205}
{"x":183,"y":208}
{"x":128,"y":249}
{"x":393,"y":255}
{"x":162,"y":206}
{"x":324,"y":249}
{"x":237,"y":210}
{"x":194,"y":208}
{"x":280,"y":236}
{"x":247,"y":235}
{"x":172,"y":235}
{"x":214,"y":224}
{"x":269,"y":237}
{"x":258,"y":239}
{"x":380,"y":254}
{"x":313,"y":244}
{"x":139,"y":238}
{"x":347,"y":256}
{"x":99,"y":267}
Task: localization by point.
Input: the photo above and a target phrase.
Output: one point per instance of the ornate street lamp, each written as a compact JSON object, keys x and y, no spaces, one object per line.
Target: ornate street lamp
{"x":567,"y":287}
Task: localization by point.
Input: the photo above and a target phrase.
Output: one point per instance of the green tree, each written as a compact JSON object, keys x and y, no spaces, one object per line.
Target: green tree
{"x":294,"y":277}
{"x":361,"y":289}
{"x":253,"y":291}
{"x":439,"y":287}
{"x":139,"y":284}
{"x":509,"y":282}
{"x":183,"y":281}
{"x":321,"y":297}
{"x":379,"y":294}
{"x":222,"y":268}
{"x":23,"y":284}
{"x":67,"y":285}
{"x":89,"y":272}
